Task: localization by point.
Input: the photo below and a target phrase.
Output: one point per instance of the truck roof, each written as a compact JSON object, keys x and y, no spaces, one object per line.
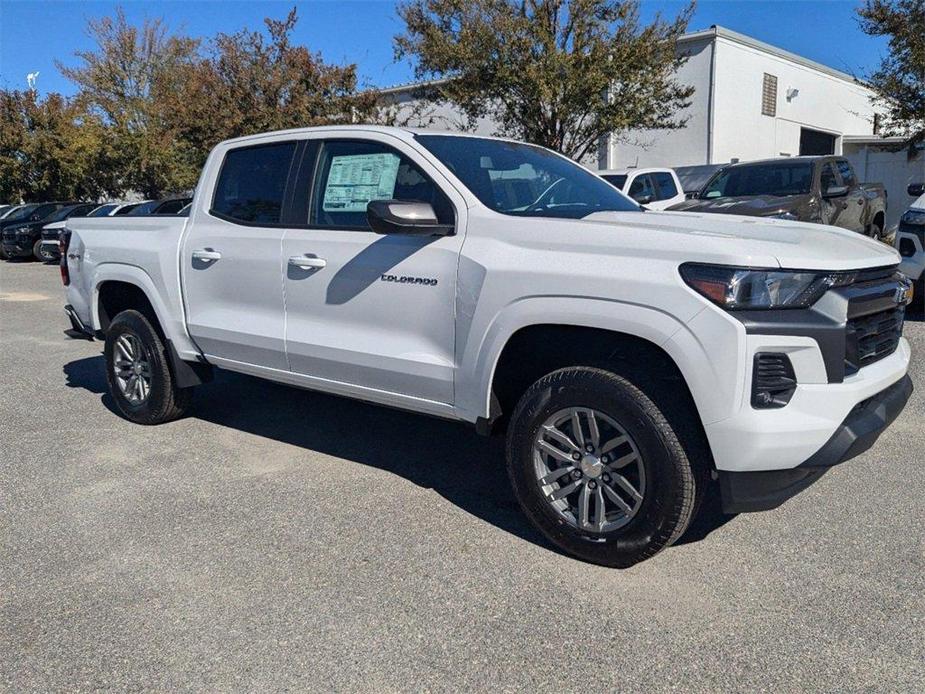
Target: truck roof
{"x":401,"y":132}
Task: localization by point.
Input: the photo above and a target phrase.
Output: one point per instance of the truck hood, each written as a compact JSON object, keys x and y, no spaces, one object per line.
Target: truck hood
{"x":740,"y":240}
{"x":753,"y":206}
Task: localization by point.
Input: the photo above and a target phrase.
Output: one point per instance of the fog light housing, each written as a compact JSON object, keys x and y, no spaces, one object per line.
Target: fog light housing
{"x":773,"y":381}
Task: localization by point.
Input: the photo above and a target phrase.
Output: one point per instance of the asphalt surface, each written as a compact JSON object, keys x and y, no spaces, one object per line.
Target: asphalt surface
{"x":283,"y":540}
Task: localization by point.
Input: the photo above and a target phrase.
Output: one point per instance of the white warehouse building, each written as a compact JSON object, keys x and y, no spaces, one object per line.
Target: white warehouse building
{"x":751,"y":101}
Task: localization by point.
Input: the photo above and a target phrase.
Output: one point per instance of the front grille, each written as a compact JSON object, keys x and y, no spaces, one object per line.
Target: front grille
{"x":9,"y":236}
{"x":873,"y":337}
{"x":875,"y":317}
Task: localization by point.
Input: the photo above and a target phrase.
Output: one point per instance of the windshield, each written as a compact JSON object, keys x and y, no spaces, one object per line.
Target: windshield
{"x":22,"y":212}
{"x":102,"y":210}
{"x":519,"y":179}
{"x":618,"y":180}
{"x":778,"y":179}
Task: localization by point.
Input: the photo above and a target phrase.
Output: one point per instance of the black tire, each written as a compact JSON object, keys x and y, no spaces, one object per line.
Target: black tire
{"x":164,"y":402}
{"x":672,"y":484}
{"x":3,"y":254}
{"x":41,"y":255}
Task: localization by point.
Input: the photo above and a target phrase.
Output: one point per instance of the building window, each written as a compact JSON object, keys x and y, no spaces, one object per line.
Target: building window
{"x":769,"y":95}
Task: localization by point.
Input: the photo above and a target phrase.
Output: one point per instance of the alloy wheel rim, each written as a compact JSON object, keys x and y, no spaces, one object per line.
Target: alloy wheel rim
{"x":131,"y":368}
{"x":589,"y":470}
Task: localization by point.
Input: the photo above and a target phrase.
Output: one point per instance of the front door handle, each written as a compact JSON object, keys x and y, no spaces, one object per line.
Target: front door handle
{"x":207,"y":255}
{"x":305,"y":262}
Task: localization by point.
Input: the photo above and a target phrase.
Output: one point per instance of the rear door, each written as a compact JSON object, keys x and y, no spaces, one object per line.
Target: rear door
{"x":230,"y":259}
{"x":364,"y":311}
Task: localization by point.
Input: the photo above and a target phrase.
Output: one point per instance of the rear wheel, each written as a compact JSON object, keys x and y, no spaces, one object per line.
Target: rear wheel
{"x":598,"y":468}
{"x":138,"y":372}
{"x":3,"y":254}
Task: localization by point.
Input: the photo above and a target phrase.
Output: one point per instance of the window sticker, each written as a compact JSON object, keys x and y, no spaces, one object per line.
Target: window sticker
{"x":355,"y":179}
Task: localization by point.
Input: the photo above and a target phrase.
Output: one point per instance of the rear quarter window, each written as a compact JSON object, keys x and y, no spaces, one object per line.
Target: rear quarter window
{"x":252,"y":182}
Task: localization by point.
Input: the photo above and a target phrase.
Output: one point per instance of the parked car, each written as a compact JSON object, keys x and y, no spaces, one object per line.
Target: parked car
{"x":910,"y":240}
{"x":657,"y":189}
{"x":630,"y":357}
{"x":25,"y":240}
{"x":34,"y":214}
{"x":165,"y":206}
{"x":51,"y":233}
{"x":824,"y":190}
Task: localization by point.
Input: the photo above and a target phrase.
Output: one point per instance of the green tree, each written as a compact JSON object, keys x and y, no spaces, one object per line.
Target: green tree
{"x":51,"y":149}
{"x":250,"y":82}
{"x":126,"y":81}
{"x":900,"y":80}
{"x":559,"y":73}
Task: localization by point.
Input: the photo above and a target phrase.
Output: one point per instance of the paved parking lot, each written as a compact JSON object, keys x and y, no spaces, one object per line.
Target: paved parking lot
{"x":280,"y":539}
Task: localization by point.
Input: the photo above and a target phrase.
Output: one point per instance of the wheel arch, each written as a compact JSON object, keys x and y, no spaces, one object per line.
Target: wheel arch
{"x":118,"y":286}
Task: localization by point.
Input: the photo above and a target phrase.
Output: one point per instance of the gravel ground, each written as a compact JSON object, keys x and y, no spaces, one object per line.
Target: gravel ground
{"x":280,"y":539}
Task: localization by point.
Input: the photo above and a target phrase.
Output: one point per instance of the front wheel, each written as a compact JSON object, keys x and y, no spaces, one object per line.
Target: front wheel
{"x":138,"y":373}
{"x":39,"y":250}
{"x":597,"y":467}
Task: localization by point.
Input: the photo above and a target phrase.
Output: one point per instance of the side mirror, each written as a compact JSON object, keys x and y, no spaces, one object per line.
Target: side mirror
{"x":643,"y":199}
{"x":916,"y":189}
{"x":835,"y":192}
{"x":405,"y":217}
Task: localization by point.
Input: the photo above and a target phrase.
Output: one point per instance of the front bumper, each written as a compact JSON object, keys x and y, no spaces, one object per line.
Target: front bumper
{"x":19,"y":248}
{"x":763,"y":490}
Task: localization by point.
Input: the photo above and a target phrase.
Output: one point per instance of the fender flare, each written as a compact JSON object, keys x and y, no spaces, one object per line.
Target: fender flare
{"x":171,"y":322}
{"x":657,"y":327}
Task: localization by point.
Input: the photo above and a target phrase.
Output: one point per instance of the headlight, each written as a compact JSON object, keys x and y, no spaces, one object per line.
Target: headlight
{"x":787,"y":215}
{"x":914,"y":217}
{"x":735,"y":288}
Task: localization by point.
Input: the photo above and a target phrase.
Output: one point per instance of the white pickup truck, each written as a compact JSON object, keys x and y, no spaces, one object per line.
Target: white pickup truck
{"x":630,"y":356}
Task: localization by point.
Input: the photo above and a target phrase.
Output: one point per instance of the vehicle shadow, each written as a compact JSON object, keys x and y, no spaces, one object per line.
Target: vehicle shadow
{"x":465,"y":469}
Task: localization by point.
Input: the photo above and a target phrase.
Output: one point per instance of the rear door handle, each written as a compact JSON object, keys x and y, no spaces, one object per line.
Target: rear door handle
{"x":207,"y":255}
{"x":305,"y":262}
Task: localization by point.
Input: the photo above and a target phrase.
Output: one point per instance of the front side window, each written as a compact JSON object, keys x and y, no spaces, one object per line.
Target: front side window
{"x":847,"y":173}
{"x":514,"y":178}
{"x":827,"y":178}
{"x":641,"y":188}
{"x":353,"y":173}
{"x":251,"y":184}
{"x":666,"y":185}
{"x":794,"y":178}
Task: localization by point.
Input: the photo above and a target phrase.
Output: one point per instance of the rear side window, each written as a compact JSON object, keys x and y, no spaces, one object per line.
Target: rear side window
{"x":847,"y":173}
{"x":352,"y":173}
{"x":666,"y":186}
{"x":252,"y":182}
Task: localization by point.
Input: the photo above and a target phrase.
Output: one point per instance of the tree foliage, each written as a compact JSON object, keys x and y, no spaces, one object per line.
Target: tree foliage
{"x":50,"y":148}
{"x":560,"y":73}
{"x":152,"y":103}
{"x":900,"y":79}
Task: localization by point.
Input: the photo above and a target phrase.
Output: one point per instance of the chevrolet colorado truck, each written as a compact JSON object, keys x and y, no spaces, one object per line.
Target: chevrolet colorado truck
{"x":824,"y":190}
{"x":628,"y":356}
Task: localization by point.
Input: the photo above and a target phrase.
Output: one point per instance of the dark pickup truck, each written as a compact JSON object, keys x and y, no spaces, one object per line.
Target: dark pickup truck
{"x":807,"y":189}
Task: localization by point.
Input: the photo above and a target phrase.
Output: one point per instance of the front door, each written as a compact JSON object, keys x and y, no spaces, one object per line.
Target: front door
{"x":367,"y":310}
{"x":231,"y":269}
